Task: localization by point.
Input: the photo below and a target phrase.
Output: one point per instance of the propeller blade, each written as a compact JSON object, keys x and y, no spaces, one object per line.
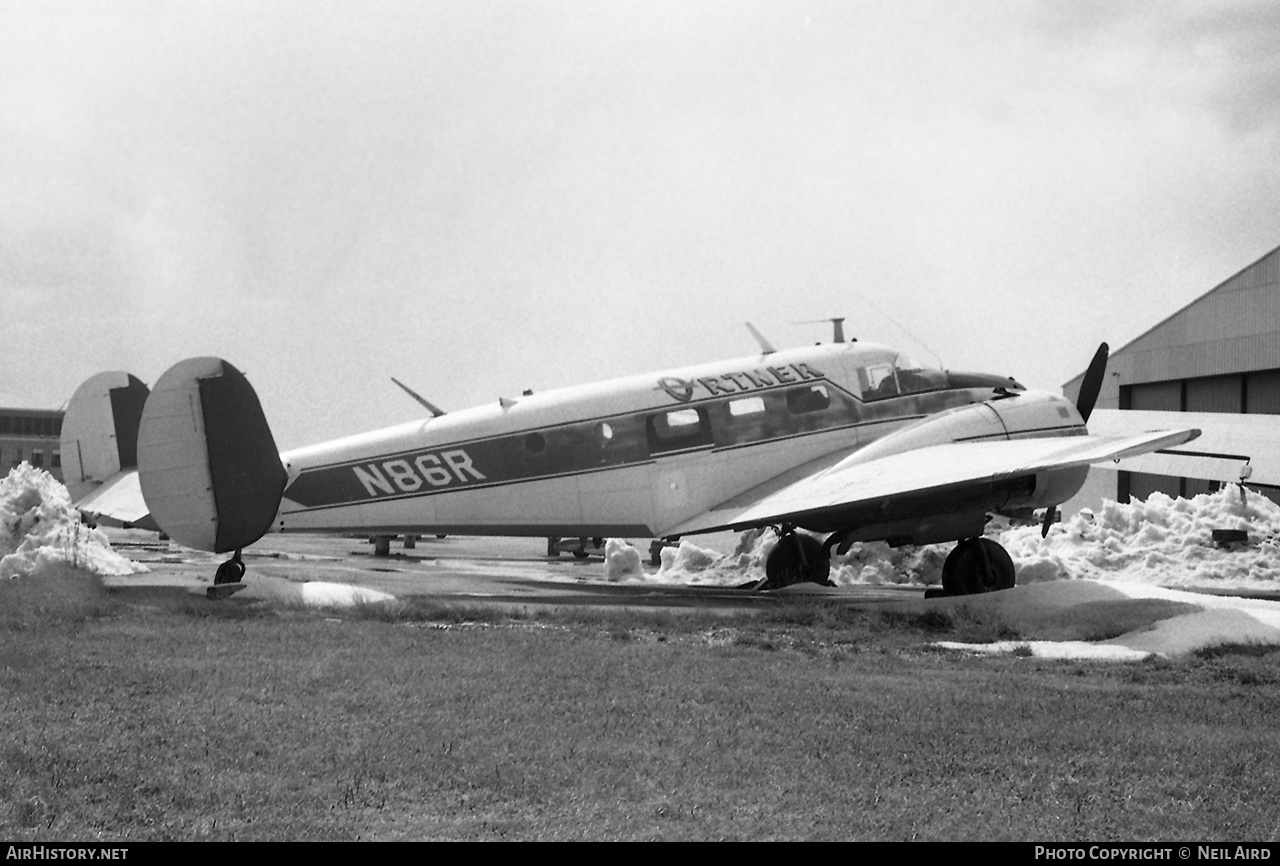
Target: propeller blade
{"x":1050,"y":518}
{"x":1092,"y":383}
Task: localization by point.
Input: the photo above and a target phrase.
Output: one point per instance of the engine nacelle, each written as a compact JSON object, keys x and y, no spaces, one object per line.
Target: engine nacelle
{"x":1021,"y":415}
{"x":928,"y":516}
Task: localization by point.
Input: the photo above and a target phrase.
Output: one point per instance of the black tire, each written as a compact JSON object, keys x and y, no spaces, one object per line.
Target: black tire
{"x":975,"y":566}
{"x":797,"y":558}
{"x":580,"y":554}
{"x":229,"y":572}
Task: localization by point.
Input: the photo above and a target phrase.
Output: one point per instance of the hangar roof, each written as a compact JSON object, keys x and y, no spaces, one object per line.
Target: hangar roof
{"x":1232,"y":328}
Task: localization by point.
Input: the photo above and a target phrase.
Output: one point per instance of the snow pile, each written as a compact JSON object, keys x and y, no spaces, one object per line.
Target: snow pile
{"x":313,"y":593}
{"x":41,"y":532}
{"x":875,"y":562}
{"x":690,"y":563}
{"x":621,"y":561}
{"x":1160,"y":541}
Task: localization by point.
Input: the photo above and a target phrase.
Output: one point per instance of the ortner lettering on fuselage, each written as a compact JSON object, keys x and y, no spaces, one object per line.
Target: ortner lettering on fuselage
{"x":683,"y":390}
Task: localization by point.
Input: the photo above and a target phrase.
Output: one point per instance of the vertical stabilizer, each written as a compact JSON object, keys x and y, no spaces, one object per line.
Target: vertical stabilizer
{"x":100,"y":430}
{"x":207,"y":462}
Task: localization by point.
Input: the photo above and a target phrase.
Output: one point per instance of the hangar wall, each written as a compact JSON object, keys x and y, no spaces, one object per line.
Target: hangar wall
{"x":31,"y":436}
{"x":1220,"y":353}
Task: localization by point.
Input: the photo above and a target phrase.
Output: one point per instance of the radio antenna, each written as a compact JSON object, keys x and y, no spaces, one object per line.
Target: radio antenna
{"x":896,"y":324}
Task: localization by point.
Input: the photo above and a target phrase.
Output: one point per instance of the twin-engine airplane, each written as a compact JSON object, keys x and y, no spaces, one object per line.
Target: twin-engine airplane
{"x":849,"y":440}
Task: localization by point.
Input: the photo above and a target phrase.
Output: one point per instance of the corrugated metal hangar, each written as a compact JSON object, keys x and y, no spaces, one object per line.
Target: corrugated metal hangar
{"x":1220,"y":353}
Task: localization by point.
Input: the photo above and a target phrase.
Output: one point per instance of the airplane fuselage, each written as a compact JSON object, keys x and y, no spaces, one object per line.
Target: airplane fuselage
{"x":630,"y":457}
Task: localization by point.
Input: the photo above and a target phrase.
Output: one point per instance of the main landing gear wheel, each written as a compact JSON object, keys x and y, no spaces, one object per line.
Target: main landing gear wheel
{"x":977,"y":565}
{"x":797,"y":558}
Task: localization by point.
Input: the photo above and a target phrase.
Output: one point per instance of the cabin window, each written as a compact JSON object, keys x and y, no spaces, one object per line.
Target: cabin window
{"x":535,"y":443}
{"x":812,"y":399}
{"x":744,"y":407}
{"x":678,"y":429}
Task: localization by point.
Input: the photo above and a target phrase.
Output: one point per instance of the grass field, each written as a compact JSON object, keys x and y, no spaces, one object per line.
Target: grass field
{"x":159,"y":716}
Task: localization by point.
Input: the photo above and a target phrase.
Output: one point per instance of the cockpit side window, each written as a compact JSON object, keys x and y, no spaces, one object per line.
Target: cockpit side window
{"x":878,"y":382}
{"x":898,"y":376}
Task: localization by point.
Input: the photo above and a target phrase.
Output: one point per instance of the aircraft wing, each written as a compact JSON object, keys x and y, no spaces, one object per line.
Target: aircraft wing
{"x":1230,"y":448}
{"x":118,"y":502}
{"x":935,"y":480}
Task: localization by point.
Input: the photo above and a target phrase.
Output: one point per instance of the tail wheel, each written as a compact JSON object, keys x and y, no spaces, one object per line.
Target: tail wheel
{"x":230,"y":571}
{"x":797,"y":558}
{"x":977,"y":565}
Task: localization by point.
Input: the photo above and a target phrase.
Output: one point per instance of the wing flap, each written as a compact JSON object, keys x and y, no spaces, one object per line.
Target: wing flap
{"x":936,"y":479}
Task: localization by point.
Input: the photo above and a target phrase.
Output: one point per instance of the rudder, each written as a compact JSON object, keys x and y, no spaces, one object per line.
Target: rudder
{"x":100,"y":430}
{"x":208,"y":464}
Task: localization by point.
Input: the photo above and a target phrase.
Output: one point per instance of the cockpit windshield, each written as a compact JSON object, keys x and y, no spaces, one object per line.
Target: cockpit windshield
{"x":897,"y":375}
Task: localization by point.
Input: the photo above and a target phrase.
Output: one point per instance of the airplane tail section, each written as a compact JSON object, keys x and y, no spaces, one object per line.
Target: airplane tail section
{"x":100,"y":431}
{"x":207,"y":462}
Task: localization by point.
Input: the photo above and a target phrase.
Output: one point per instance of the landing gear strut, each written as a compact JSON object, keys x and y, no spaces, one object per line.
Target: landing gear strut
{"x":977,"y":565}
{"x":797,"y":558}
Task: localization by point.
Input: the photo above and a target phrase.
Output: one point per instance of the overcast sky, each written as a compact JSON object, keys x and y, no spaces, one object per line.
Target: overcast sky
{"x":479,"y":197}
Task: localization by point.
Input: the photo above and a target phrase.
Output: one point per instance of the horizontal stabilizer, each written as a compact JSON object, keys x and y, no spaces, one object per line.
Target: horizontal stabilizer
{"x":118,"y":502}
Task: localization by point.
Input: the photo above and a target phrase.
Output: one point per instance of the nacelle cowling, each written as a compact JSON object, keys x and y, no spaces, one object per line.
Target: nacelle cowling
{"x":923,"y":519}
{"x":1021,"y":415}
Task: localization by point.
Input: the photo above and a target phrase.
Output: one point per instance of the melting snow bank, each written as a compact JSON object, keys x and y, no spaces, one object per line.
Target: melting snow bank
{"x":41,"y":532}
{"x":1213,"y":621}
{"x":691,"y":564}
{"x":315,"y":593}
{"x":1161,"y":541}
{"x":42,"y":538}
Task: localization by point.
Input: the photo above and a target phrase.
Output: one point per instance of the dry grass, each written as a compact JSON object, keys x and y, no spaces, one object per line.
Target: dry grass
{"x":58,"y":594}
{"x":167,"y":718}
